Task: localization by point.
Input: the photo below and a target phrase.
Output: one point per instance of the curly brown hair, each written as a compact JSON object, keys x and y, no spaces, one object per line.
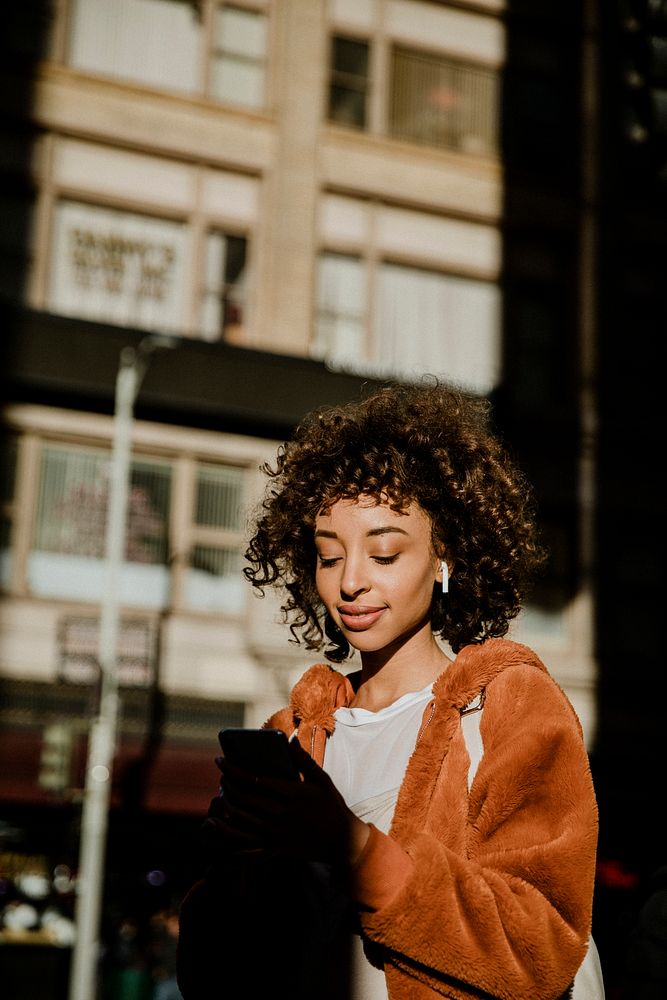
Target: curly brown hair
{"x":428,"y":444}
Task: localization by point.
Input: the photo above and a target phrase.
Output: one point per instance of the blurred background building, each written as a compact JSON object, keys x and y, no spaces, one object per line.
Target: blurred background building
{"x":309,"y":196}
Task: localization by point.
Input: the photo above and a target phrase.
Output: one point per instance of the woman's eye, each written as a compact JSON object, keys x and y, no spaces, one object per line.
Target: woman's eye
{"x":325,"y":561}
{"x":385,"y":560}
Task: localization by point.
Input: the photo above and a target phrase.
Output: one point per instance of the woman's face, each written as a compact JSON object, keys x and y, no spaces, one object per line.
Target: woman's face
{"x":375,"y":571}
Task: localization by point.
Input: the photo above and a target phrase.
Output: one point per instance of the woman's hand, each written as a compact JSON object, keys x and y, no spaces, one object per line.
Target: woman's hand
{"x":307,"y":818}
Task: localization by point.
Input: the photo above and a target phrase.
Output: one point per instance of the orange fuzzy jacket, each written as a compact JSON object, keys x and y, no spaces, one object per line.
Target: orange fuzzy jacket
{"x":486,"y":894}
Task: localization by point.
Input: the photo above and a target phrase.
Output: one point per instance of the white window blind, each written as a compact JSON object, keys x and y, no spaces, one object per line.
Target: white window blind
{"x":156,"y":42}
{"x":427,"y":322}
{"x":442,"y":102}
{"x":341,"y":308}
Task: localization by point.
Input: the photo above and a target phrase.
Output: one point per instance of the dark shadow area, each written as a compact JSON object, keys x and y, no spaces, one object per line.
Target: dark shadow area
{"x":73,"y":363}
{"x":23,"y":42}
{"x":537,"y":404}
{"x":629,"y":758}
{"x":546,"y":200}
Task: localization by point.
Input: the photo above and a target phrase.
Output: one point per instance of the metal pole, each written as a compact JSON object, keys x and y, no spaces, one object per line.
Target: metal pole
{"x":102,"y":738}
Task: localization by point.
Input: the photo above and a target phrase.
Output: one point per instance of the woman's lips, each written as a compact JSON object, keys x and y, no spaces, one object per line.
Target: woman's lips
{"x":356,"y":619}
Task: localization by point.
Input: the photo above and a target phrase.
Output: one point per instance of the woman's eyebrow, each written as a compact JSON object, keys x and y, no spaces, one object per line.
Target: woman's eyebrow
{"x":323,"y":533}
{"x":385,"y":531}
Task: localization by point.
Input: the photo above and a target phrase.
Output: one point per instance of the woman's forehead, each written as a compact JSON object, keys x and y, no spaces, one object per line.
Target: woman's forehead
{"x":371,"y":511}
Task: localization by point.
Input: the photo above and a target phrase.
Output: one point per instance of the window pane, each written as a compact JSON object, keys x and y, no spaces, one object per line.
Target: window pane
{"x":224,"y":293}
{"x":341,"y":300}
{"x":237,"y":71}
{"x":72,"y":502}
{"x":348,"y":87}
{"x":148,"y":513}
{"x":79,"y":640}
{"x":441,"y":102}
{"x":69,"y":540}
{"x":118,"y":267}
{"x":152,"y":41}
{"x":214,"y":581}
{"x":238,"y":82}
{"x":219,"y":498}
{"x":242,"y":32}
{"x":429,"y":322}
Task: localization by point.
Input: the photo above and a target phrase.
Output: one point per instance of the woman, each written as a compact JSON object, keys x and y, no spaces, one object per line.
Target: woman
{"x":445,"y":815}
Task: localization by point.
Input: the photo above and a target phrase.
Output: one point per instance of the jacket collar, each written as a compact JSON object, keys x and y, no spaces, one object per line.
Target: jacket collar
{"x":323,"y":689}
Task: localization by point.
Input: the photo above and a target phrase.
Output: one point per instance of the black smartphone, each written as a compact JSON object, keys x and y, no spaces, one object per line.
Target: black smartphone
{"x":264,"y":752}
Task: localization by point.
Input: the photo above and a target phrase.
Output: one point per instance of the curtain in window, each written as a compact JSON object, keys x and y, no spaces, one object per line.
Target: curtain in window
{"x":442,"y":102}
{"x":440,"y":324}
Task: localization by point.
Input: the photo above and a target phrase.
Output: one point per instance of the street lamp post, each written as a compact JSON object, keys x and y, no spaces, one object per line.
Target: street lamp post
{"x":102,"y":736}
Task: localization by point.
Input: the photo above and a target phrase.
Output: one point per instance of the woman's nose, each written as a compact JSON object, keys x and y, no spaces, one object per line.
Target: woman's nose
{"x":354,"y":580}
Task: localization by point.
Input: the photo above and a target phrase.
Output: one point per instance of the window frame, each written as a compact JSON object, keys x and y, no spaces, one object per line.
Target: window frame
{"x":33,"y":435}
{"x":213,"y":51}
{"x":382,"y":44}
{"x":455,"y":63}
{"x":205,"y":11}
{"x":197,"y":224}
{"x":333,"y":73}
{"x":372,"y":258}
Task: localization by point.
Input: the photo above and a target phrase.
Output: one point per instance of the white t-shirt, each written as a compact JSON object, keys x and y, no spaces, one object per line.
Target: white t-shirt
{"x":366,"y":758}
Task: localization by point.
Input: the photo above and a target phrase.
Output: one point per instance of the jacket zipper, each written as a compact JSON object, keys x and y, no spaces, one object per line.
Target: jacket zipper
{"x":426,"y":724}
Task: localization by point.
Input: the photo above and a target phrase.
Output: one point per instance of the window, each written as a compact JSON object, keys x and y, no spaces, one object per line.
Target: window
{"x":414,"y":293}
{"x":156,"y":42}
{"x":67,"y":557}
{"x":458,"y":320}
{"x":130,"y":270}
{"x":79,"y":643}
{"x":188,"y":274}
{"x":349,"y":82}
{"x":446,"y":99}
{"x":442,"y":102}
{"x":118,"y":267}
{"x":223,"y":307}
{"x":63,"y":543}
{"x":162,"y":43}
{"x":340,"y":328}
{"x":238,"y":56}
{"x":214,"y":581}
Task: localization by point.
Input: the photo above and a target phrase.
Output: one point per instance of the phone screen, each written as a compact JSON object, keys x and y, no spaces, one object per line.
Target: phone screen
{"x":261,"y":751}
